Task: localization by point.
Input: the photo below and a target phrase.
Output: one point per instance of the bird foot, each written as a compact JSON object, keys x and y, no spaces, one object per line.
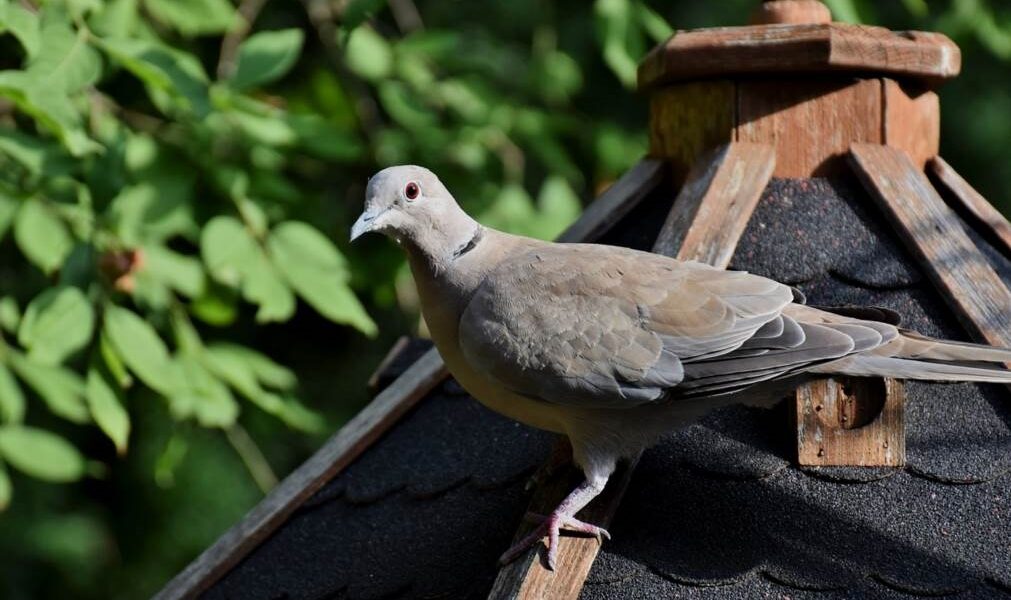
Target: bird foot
{"x":551,"y":526}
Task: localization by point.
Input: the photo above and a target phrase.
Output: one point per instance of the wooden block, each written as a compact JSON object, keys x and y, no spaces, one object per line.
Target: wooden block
{"x":791,"y":12}
{"x":973,"y":202}
{"x":528,"y":577}
{"x":912,"y":121}
{"x":851,"y":422}
{"x":689,"y":119}
{"x":609,"y":208}
{"x":805,"y":48}
{"x":811,"y":123}
{"x":714,"y":205}
{"x":935,"y":237}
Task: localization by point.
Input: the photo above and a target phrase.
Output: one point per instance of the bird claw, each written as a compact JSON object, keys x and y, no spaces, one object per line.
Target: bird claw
{"x":551,"y":526}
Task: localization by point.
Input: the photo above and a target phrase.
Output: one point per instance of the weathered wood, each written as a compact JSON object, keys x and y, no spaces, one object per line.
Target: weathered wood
{"x":851,"y":421}
{"x":805,"y":48}
{"x":934,"y":235}
{"x":609,"y":208}
{"x":912,"y":121}
{"x":528,"y":577}
{"x":715,"y":203}
{"x":973,"y":202}
{"x":725,"y":187}
{"x":378,"y":374}
{"x":811,"y":123}
{"x":338,"y":452}
{"x":689,"y":119}
{"x":376,"y":418}
{"x":791,"y":12}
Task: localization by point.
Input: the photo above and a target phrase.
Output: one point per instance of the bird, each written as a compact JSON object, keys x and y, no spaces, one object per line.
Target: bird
{"x":613,"y":347}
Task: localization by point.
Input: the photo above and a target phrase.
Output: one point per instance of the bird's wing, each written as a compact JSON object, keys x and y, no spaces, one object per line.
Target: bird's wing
{"x":599,"y":326}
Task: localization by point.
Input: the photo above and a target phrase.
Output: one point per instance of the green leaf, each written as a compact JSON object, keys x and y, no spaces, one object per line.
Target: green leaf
{"x":151,"y":211}
{"x":368,"y":54}
{"x":140,"y":347}
{"x":10,"y":314}
{"x":266,"y":57}
{"x":658,"y":29}
{"x":182,"y":273}
{"x":113,"y":362}
{"x":558,"y":205}
{"x":201,"y":395}
{"x":51,"y":109}
{"x":6,"y":490}
{"x":318,"y":273}
{"x":23,"y":23}
{"x":61,"y":389}
{"x":107,"y":408}
{"x":217,"y":306}
{"x":41,"y":235}
{"x":57,"y":323}
{"x":36,"y":155}
{"x":12,"y":399}
{"x":40,"y":454}
{"x":118,"y":18}
{"x":357,"y":11}
{"x":8,"y":209}
{"x":194,"y":17}
{"x":260,"y":367}
{"x":271,"y":130}
{"x":163,"y":69}
{"x":66,"y":62}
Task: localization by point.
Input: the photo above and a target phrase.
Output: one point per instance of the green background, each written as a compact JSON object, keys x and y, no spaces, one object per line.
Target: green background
{"x":182,"y":320}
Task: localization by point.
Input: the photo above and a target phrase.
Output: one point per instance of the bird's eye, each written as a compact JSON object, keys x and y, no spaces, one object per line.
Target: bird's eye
{"x":411,"y":191}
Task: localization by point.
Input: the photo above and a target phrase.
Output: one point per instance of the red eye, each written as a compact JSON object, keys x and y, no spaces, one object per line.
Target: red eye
{"x":411,"y":190}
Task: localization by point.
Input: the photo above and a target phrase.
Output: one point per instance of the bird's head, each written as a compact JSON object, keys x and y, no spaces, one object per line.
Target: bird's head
{"x":410,"y":205}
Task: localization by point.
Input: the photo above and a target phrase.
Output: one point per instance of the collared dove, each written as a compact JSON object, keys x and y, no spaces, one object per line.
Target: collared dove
{"x":614,"y":347}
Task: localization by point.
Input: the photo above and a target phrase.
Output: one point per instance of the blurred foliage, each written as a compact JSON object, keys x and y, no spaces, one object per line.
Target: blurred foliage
{"x":180,"y":315}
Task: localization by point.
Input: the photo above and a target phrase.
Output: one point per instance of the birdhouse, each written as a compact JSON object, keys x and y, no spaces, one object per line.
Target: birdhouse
{"x":796,"y":148}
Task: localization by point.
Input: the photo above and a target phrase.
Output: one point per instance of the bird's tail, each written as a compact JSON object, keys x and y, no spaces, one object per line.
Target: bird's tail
{"x":914,"y":356}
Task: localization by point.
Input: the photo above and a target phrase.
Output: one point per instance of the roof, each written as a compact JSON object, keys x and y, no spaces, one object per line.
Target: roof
{"x":718,"y":510}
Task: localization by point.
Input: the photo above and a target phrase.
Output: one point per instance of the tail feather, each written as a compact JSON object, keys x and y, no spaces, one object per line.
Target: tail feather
{"x":913,"y":345}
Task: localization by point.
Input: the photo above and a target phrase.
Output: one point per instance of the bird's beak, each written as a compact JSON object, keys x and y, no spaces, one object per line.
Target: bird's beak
{"x":365,"y":222}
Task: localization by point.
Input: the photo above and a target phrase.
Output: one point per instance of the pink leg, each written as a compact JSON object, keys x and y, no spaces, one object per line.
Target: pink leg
{"x":550,"y":525}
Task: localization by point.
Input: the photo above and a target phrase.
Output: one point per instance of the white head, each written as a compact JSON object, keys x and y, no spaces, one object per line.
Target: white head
{"x":410,"y":205}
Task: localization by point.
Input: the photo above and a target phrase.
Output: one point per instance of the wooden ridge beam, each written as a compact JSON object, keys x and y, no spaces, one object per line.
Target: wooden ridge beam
{"x":934,"y":235}
{"x":973,"y":202}
{"x":705,"y":223}
{"x":351,"y":440}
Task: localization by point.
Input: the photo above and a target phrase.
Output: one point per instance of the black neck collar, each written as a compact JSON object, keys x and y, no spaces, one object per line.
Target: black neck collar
{"x":470,"y":244}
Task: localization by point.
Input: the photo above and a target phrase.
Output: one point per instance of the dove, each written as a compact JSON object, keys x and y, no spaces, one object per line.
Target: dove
{"x":614,"y":347}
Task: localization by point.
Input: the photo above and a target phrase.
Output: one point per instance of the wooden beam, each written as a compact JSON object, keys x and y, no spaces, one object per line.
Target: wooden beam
{"x":972,"y":201}
{"x":804,"y":48}
{"x":934,"y":235}
{"x":912,"y":121}
{"x":689,"y":119}
{"x":705,"y":223}
{"x":338,"y":452}
{"x":375,"y":419}
{"x":715,"y":203}
{"x":616,"y":202}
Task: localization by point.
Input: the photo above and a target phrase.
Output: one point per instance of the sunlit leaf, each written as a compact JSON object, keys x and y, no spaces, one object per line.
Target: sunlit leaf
{"x":23,"y":24}
{"x":106,"y":408}
{"x":38,"y":156}
{"x":194,"y":17}
{"x":266,"y":57}
{"x":117,"y":18}
{"x":10,"y":314}
{"x":12,"y":400}
{"x":163,"y":69}
{"x":140,"y":347}
{"x":65,"y":62}
{"x":178,"y":271}
{"x":368,"y":54}
{"x":40,"y":454}
{"x":56,"y":323}
{"x":41,"y":235}
{"x":61,"y":389}
{"x":200,"y":395}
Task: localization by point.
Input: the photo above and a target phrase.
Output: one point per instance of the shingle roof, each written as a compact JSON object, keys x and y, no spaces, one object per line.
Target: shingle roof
{"x":718,"y":510}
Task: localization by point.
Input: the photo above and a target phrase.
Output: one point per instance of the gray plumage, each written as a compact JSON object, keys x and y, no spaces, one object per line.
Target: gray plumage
{"x":614,"y":347}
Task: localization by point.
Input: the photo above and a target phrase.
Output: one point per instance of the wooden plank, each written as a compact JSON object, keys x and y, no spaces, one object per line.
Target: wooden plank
{"x":851,"y":422}
{"x":811,"y":123}
{"x":338,"y":452}
{"x":689,"y":119}
{"x":973,"y":202}
{"x":378,"y":375}
{"x":912,"y":121}
{"x":721,"y":194}
{"x":375,"y":419}
{"x":616,"y":202}
{"x":715,"y":203}
{"x":803,"y":48}
{"x":934,"y":235}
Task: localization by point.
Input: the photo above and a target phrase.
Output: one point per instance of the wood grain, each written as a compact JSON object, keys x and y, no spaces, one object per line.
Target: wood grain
{"x":972,"y":202}
{"x":804,"y":48}
{"x":616,"y":202}
{"x":912,"y":120}
{"x":715,"y":203}
{"x":338,"y":452}
{"x":934,"y":235}
{"x":851,"y":422}
{"x":688,"y":119}
{"x":375,"y":419}
{"x":811,"y":123}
